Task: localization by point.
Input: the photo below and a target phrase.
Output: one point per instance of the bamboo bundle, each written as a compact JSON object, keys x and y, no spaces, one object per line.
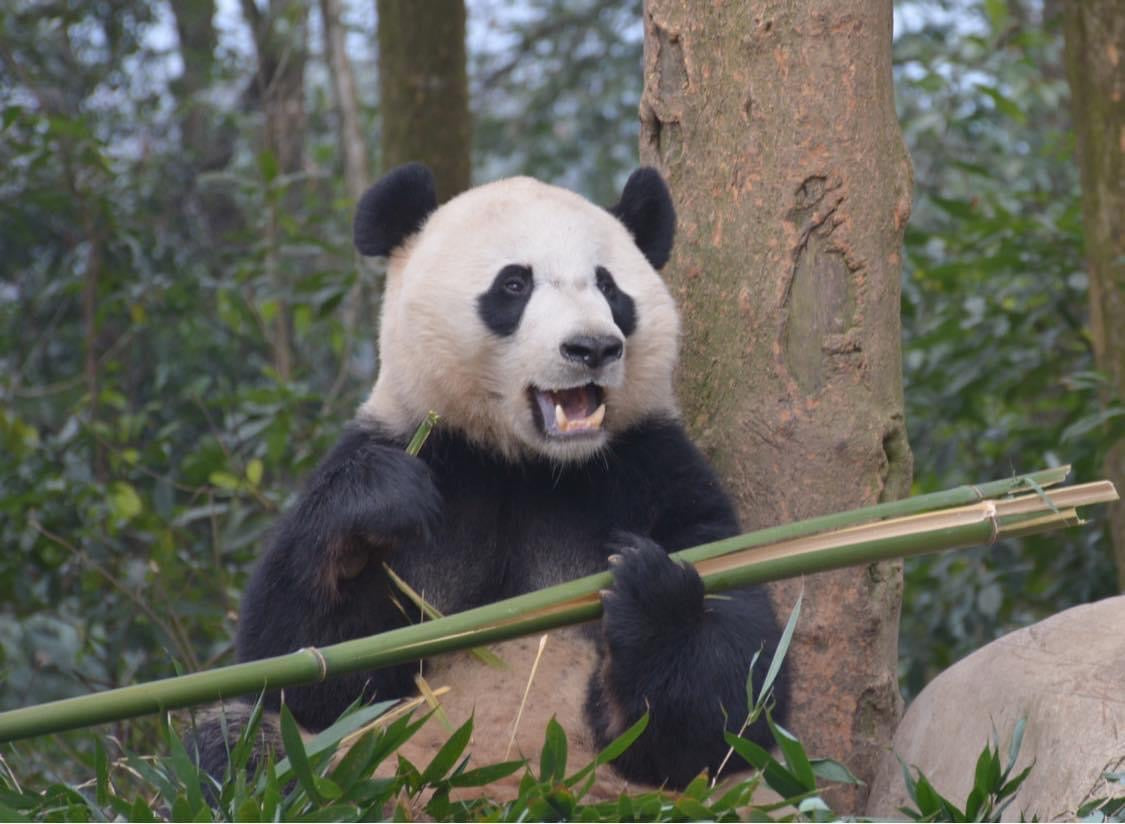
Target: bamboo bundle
{"x":960,"y":517}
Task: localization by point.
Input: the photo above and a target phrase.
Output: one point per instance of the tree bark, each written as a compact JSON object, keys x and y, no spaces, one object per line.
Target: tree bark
{"x":353,"y":148}
{"x":196,"y":32}
{"x":424,"y":89}
{"x":357,"y":169}
{"x":774,"y":122}
{"x":1095,"y":49}
{"x":280,"y":38}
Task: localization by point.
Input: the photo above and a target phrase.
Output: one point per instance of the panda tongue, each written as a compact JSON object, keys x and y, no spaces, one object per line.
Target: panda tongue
{"x":577,"y":403}
{"x":569,"y":410}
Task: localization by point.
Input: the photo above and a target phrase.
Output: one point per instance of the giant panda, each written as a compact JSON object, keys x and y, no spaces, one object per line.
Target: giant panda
{"x":536,"y":324}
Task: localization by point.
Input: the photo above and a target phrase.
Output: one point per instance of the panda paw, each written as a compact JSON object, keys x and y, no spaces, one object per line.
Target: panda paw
{"x":653,"y":599}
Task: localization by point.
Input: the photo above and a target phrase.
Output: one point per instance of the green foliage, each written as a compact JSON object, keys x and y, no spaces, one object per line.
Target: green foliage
{"x":555,"y":87}
{"x":994,"y":787}
{"x":1102,"y":809}
{"x":342,"y":774}
{"x":997,"y":359}
{"x":154,"y":437}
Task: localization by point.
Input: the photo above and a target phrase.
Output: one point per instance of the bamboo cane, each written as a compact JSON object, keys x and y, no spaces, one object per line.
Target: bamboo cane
{"x":962,"y":517}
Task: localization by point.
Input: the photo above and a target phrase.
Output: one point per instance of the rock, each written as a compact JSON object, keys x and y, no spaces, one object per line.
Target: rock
{"x":1064,"y":675}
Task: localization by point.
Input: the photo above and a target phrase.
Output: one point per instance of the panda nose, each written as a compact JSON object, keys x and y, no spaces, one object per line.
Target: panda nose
{"x":592,"y":350}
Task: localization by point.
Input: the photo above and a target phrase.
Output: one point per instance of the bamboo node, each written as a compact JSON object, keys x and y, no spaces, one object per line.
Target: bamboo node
{"x":320,"y":659}
{"x":978,"y":491}
{"x":991,"y":512}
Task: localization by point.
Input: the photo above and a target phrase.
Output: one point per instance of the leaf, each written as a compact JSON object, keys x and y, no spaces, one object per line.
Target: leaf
{"x":1088,"y":423}
{"x":447,"y":756}
{"x":794,"y":753}
{"x":254,"y":471}
{"x":552,"y":759}
{"x":1011,"y":786}
{"x":298,"y":758}
{"x":268,"y":166}
{"x":782,"y":649}
{"x":986,"y":776}
{"x":779,"y":779}
{"x":223,"y":480}
{"x":613,"y":750}
{"x":124,"y":501}
{"x":1004,"y":105}
{"x":345,"y":725}
{"x":487,"y":774}
{"x":831,"y":770}
{"x":101,"y":771}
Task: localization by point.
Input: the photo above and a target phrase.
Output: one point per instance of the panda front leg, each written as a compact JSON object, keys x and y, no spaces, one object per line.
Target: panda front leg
{"x":322,"y":580}
{"x":684,"y":659}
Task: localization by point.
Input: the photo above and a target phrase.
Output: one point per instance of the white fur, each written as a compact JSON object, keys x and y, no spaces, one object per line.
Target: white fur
{"x":437,"y":354}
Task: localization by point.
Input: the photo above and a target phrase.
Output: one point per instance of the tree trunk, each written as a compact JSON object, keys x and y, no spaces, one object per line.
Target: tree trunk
{"x":280,"y":38}
{"x":353,"y":149}
{"x":424,"y":89}
{"x":774,"y":122}
{"x":1095,"y":50}
{"x":357,"y":169}
{"x":196,"y":32}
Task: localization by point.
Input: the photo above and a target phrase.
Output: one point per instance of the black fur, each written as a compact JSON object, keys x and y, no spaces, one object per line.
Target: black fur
{"x":501,"y":307}
{"x":682,"y":658}
{"x":465,"y":528}
{"x":646,"y":210}
{"x":393,"y":209}
{"x":620,"y":303}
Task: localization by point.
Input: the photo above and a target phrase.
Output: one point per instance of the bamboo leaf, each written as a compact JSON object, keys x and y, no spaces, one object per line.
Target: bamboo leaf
{"x":298,"y":758}
{"x":552,"y":759}
{"x":483,"y":654}
{"x":779,"y":779}
{"x":447,"y":756}
{"x":782,"y":649}
{"x":101,"y":771}
{"x":830,"y":770}
{"x":487,"y":774}
{"x":794,"y":753}
{"x":185,"y":769}
{"x":1014,"y":746}
{"x":613,"y":750}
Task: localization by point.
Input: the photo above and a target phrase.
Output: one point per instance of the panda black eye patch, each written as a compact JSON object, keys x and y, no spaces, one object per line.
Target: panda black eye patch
{"x":501,"y":307}
{"x":623,"y":308}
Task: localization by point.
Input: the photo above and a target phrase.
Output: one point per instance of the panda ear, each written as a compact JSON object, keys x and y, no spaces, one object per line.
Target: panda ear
{"x":394,"y":209}
{"x":646,"y":210}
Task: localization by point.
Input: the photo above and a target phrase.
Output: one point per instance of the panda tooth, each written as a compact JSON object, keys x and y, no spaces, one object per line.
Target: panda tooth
{"x":560,"y":418}
{"x":597,"y":418}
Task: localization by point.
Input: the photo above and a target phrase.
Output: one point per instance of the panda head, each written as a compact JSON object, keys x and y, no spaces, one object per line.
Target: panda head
{"x":531,"y":320}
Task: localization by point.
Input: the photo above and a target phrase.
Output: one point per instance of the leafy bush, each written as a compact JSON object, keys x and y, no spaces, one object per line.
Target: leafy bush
{"x":994,"y":788}
{"x":335,"y":776}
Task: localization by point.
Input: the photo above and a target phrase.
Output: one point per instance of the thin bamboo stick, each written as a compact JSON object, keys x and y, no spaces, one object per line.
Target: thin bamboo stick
{"x":795,"y":549}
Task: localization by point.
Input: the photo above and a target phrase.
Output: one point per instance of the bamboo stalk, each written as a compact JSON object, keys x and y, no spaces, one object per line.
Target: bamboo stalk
{"x":801,"y":548}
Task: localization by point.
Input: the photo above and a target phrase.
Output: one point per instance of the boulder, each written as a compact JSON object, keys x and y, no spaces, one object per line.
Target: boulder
{"x":1064,"y":675}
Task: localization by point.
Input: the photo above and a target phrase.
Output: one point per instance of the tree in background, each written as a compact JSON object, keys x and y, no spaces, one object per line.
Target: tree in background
{"x":424,"y":89}
{"x":555,"y":91}
{"x":775,"y":124}
{"x":1095,"y":53}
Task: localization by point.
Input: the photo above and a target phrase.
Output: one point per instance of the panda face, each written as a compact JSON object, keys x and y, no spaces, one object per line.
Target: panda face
{"x":530,"y":320}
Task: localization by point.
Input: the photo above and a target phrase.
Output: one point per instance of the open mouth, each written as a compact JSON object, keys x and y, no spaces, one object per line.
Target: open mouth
{"x":568,"y":413}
